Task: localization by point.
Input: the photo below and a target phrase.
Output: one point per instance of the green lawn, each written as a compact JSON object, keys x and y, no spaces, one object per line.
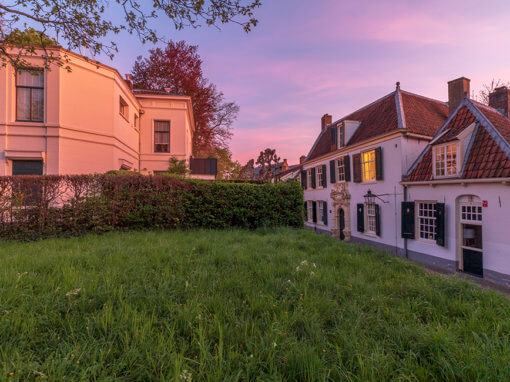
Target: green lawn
{"x":239,"y":305}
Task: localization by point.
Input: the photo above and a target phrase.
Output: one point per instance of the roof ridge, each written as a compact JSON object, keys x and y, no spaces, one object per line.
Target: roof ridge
{"x":360,"y":109}
{"x":400,"y":109}
{"x":425,"y":98}
{"x":496,"y":135}
{"x":343,"y":119}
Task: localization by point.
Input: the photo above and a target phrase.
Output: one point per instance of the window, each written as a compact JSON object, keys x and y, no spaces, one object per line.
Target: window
{"x":320,"y":211}
{"x":471,"y":213}
{"x":310,"y":211}
{"x":135,"y":120}
{"x":368,"y":165}
{"x":30,"y":95}
{"x":309,"y":178}
{"x":341,"y":135}
{"x":123,"y":108}
{"x":371,"y":218}
{"x":446,"y":160}
{"x":340,"y":162}
{"x":426,"y":220}
{"x":161,"y":136}
{"x":320,"y":175}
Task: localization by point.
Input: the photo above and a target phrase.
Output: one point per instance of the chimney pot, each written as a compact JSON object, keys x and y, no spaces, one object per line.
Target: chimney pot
{"x":457,"y":90}
{"x":129,"y":82}
{"x":499,"y":99}
{"x":302,"y":159}
{"x":326,"y":120}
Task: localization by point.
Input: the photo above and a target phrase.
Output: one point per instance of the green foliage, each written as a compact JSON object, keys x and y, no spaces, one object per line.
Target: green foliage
{"x":123,"y":172}
{"x":29,"y":36}
{"x":177,"y":167}
{"x":44,"y":206}
{"x":266,"y":305}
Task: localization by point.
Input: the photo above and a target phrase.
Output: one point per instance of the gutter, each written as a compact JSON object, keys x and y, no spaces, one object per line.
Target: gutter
{"x":464,"y":182}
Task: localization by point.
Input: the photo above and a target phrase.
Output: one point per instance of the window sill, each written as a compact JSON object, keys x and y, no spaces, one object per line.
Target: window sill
{"x":125,"y":118}
{"x":372,"y":235}
{"x":21,"y":122}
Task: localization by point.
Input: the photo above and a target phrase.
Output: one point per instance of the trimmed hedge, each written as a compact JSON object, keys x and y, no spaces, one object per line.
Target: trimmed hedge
{"x":40,"y":206}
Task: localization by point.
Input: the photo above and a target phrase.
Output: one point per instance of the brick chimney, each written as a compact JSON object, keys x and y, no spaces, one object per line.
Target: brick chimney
{"x":499,"y":99}
{"x":457,"y":90}
{"x":326,"y":120}
{"x":302,"y":159}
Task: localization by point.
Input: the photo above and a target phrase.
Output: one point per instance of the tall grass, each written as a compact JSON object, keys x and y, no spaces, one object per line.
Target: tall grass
{"x":239,"y":305}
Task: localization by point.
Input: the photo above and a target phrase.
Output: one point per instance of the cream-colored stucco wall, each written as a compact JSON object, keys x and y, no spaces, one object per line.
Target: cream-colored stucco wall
{"x":165,"y":108}
{"x":83,"y":130}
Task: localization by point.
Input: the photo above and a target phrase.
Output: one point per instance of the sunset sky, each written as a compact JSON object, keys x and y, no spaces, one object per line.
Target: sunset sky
{"x":307,"y":58}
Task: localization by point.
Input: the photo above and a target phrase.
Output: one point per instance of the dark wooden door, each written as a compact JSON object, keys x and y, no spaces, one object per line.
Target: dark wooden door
{"x":341,"y":223}
{"x":473,"y":262}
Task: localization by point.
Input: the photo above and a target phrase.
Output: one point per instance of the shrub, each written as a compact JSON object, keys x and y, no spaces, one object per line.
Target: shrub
{"x":41,"y":206}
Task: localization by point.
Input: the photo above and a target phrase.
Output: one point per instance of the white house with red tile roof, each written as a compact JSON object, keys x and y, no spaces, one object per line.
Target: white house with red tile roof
{"x":457,"y":209}
{"x":423,"y":179}
{"x":367,"y":153}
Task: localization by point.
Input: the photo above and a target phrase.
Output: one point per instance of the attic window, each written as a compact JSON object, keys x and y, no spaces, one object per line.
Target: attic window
{"x":445,"y":160}
{"x":341,"y":135}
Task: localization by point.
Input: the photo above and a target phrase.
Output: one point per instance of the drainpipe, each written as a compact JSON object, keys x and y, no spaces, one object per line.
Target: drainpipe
{"x":405,"y":239}
{"x":140,"y":113}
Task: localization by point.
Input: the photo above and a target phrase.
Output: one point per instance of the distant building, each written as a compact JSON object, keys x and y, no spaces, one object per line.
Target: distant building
{"x":88,"y":119}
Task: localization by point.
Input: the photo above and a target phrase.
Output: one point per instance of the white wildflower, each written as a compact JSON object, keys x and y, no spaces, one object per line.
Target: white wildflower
{"x":312,"y":273}
{"x":185,"y":375}
{"x":304,"y":262}
{"x":73,"y":292}
{"x":297,"y":268}
{"x":314,"y":265}
{"x":274,"y":344}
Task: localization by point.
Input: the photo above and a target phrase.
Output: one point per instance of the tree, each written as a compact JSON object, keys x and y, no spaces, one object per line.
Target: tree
{"x":227,"y":168}
{"x":248,"y":171}
{"x":87,"y":23}
{"x":177,"y":167}
{"x":267,"y":162}
{"x":179,"y":67}
{"x":483,"y":95}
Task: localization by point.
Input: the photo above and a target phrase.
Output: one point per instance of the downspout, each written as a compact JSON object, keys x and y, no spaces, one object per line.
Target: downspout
{"x":140,"y":141}
{"x":405,"y":239}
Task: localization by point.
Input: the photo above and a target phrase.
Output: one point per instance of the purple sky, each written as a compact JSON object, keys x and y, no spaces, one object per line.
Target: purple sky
{"x":307,"y":58}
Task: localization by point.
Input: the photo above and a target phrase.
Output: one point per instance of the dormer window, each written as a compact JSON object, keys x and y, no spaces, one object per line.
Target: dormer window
{"x":341,"y":135}
{"x":445,"y":160}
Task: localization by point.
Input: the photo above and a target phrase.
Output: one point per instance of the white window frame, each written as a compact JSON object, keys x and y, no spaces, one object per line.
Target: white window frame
{"x":320,"y":175}
{"x":444,"y":161}
{"x":320,"y":212}
{"x":340,"y":165}
{"x":309,"y":207}
{"x":370,"y":219}
{"x":341,"y":135}
{"x":364,"y":178}
{"x":309,"y":178}
{"x":428,"y":221}
{"x":471,"y":213}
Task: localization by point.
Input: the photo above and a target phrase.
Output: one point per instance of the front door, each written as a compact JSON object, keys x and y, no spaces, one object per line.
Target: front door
{"x":471,"y":238}
{"x":341,"y":223}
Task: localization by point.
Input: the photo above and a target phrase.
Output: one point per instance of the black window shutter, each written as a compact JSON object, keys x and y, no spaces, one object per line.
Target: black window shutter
{"x":324,"y":176}
{"x":440,"y":226}
{"x":303,"y":179}
{"x":306,"y":211}
{"x":347,"y":168}
{"x":314,"y":208}
{"x":332,"y":171}
{"x":334,"y":133}
{"x":312,"y":174}
{"x":325,"y":213}
{"x":407,"y":220}
{"x":356,"y":168}
{"x":361,"y":217}
{"x":377,"y":220}
{"x":378,"y":164}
